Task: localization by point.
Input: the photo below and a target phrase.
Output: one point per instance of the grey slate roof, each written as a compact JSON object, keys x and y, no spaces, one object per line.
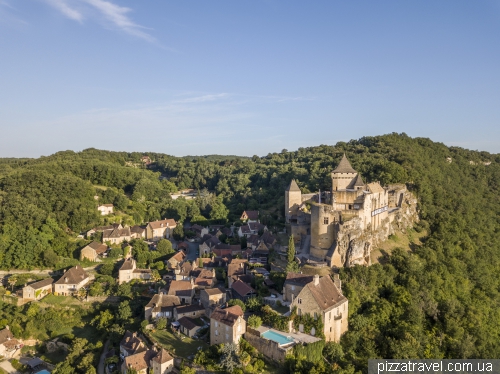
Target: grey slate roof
{"x":344,"y":166}
{"x":293,"y":186}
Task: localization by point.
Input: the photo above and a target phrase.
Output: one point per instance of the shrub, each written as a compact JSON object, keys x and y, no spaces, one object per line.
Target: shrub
{"x":254,"y":321}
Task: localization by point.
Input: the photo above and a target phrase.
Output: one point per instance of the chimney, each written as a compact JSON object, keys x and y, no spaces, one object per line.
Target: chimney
{"x":316,"y":279}
{"x":337,"y":282}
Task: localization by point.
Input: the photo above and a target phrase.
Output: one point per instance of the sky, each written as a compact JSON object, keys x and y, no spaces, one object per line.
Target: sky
{"x":245,"y":77}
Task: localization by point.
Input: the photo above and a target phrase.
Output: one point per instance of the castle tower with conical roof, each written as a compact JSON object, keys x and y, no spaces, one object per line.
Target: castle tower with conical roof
{"x":293,"y":199}
{"x":344,"y":175}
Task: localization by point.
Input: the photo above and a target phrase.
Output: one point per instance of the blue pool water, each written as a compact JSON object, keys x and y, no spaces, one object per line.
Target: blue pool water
{"x":278,"y":338}
{"x":43,"y":372}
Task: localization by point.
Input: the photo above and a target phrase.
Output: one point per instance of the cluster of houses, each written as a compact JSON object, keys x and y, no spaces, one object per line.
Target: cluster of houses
{"x":70,"y":283}
{"x":194,"y":300}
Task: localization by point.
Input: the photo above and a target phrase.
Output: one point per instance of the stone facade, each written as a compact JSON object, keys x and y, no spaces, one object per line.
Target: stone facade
{"x":268,"y":348}
{"x":352,"y":211}
{"x":128,"y":271}
{"x":38,"y":290}
{"x":227,"y":325}
{"x":323,"y":298}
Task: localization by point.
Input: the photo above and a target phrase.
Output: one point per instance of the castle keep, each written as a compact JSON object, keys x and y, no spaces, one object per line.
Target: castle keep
{"x":345,"y":222}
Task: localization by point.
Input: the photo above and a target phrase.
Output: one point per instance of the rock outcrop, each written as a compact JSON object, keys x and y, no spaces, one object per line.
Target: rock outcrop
{"x":353,"y":244}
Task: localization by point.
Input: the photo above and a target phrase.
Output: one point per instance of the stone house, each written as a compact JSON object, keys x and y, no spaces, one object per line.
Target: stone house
{"x":204,"y":278}
{"x":183,"y":271}
{"x":157,"y":230}
{"x":131,"y":344}
{"x":161,"y":305}
{"x":187,"y":326}
{"x":116,"y":236}
{"x":149,"y":361}
{"x":8,"y":344}
{"x":212,"y":297}
{"x":200,"y":231}
{"x":191,"y":311}
{"x":37,"y":290}
{"x":176,"y":259}
{"x":227,"y":325}
{"x":93,"y":251}
{"x":71,"y":281}
{"x":128,"y":271}
{"x":102,"y":229}
{"x":138,"y":232}
{"x":242,"y":291}
{"x":251,"y":228}
{"x":294,"y":283}
{"x":234,"y":269}
{"x":105,"y":209}
{"x":323,"y":298}
{"x":250,"y":216}
{"x":184,"y":290}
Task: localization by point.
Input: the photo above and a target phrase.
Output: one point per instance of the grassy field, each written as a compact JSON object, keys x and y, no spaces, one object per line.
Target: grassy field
{"x":181,"y":347}
{"x":61,"y":300}
{"x":407,"y":241}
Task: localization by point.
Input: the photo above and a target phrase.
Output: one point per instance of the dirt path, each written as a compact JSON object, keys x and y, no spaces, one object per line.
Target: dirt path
{"x":100,"y":368}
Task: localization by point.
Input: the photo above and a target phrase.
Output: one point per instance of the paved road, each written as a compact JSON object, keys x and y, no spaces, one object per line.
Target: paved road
{"x":100,"y":367}
{"x":8,"y":367}
{"x":192,"y":251}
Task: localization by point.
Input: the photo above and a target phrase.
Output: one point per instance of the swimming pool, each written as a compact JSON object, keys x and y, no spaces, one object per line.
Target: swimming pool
{"x":278,"y":338}
{"x":43,"y":372}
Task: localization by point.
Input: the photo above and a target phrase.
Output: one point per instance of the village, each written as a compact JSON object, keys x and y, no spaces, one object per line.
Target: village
{"x":222,"y":283}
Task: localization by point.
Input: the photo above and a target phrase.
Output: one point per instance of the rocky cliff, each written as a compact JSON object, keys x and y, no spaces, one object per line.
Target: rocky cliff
{"x":354,"y":244}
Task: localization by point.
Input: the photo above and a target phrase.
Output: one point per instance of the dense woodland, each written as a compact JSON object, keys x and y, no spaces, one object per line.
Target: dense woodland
{"x":440,"y":300}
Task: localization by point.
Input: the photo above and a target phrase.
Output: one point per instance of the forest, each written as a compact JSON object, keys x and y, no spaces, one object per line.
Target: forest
{"x":441,"y":300}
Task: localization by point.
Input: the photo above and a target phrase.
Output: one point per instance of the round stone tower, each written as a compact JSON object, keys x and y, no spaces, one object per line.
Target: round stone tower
{"x":322,"y":229}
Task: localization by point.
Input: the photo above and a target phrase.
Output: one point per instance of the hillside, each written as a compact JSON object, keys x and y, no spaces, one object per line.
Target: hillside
{"x":439,"y":300}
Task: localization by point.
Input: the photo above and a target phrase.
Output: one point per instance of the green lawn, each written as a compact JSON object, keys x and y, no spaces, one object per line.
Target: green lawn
{"x":61,"y":300}
{"x":181,"y":347}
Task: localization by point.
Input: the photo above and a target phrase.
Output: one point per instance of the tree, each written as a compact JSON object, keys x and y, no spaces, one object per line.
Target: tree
{"x":161,"y":323}
{"x":254,"y":321}
{"x":253,"y":304}
{"x":187,"y":370}
{"x":233,"y":302}
{"x":106,"y":268}
{"x":178,"y":232}
{"x":124,"y":311}
{"x":229,"y":357}
{"x":290,"y":255}
{"x":164,"y":247}
{"x":155,"y":276}
{"x":333,"y":352}
{"x":12,"y":282}
{"x":82,"y":293}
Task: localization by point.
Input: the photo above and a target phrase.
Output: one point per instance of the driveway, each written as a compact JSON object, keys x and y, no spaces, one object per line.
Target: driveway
{"x":8,"y":367}
{"x":100,"y":367}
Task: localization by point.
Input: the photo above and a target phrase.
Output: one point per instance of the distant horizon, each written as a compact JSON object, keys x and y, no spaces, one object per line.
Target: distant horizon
{"x":225,"y":155}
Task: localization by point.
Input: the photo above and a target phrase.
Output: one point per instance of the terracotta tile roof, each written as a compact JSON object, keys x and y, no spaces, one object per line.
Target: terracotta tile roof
{"x":189,"y":308}
{"x":375,"y":187}
{"x":73,"y":276}
{"x":5,"y":335}
{"x":163,"y":301}
{"x":181,"y":288}
{"x":116,"y":233}
{"x":326,"y":293}
{"x":128,"y":264}
{"x":132,"y":343}
{"x":41,"y":284}
{"x":187,"y":323}
{"x":179,"y":256}
{"x":162,"y":357}
{"x":344,"y":166}
{"x":139,"y":361}
{"x":241,"y":288}
{"x":235,"y":269}
{"x":98,"y":247}
{"x":298,"y":279}
{"x":214,"y":291}
{"x":250,"y":214}
{"x":293,"y":186}
{"x":163,"y":223}
{"x":227,"y":316}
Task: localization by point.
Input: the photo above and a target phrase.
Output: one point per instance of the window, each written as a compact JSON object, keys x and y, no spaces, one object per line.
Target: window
{"x":227,"y":328}
{"x":325,"y":220}
{"x":216,"y":324}
{"x":330,"y":329}
{"x":227,"y":337}
{"x":330,"y":315}
{"x":299,"y":301}
{"x":216,"y":333}
{"x":293,"y":288}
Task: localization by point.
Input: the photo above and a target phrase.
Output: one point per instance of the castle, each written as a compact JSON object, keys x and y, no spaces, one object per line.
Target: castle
{"x":344,"y":223}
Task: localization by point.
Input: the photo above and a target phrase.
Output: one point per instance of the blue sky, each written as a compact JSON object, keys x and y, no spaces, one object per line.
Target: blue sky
{"x":245,"y":77}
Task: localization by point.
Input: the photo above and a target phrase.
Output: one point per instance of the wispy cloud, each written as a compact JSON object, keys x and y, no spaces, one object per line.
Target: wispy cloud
{"x":112,"y":14}
{"x":64,"y":8}
{"x":7,"y":15}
